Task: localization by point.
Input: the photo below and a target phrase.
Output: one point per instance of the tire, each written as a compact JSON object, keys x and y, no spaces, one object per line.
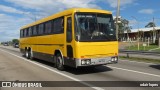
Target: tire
{"x":26,"y":54}
{"x":55,"y":61}
{"x":30,"y":55}
{"x":59,"y":62}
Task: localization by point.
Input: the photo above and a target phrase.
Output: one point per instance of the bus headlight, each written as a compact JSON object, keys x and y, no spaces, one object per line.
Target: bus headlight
{"x":116,"y":59}
{"x":86,"y":62}
{"x":83,"y":62}
{"x":112,"y":59}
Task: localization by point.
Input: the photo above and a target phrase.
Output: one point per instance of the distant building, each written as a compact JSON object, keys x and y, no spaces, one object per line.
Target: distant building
{"x":144,"y":33}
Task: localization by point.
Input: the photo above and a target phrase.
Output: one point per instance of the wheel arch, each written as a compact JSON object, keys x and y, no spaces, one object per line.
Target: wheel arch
{"x":59,"y":51}
{"x":26,"y":48}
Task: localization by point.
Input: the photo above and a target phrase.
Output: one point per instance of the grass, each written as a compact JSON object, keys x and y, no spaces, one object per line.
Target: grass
{"x":142,"y":48}
{"x":157,"y":61}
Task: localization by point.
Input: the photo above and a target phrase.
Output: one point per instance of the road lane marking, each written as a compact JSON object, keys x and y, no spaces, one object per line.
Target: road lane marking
{"x":72,"y":78}
{"x":134,"y":71}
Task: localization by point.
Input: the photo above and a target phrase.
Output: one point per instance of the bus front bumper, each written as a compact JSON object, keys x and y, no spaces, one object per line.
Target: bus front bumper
{"x":96,"y":61}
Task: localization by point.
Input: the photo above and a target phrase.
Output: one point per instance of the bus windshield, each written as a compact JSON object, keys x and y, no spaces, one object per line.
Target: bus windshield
{"x":94,"y":27}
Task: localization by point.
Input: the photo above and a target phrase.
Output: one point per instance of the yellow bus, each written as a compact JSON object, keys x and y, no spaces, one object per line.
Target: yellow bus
{"x":76,"y":37}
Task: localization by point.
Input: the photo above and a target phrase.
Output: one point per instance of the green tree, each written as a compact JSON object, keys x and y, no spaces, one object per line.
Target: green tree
{"x":141,"y":34}
{"x":124,"y":27}
{"x":15,"y":41}
{"x":152,"y":24}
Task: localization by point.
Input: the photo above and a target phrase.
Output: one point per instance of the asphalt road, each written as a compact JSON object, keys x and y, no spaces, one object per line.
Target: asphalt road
{"x":15,"y":67}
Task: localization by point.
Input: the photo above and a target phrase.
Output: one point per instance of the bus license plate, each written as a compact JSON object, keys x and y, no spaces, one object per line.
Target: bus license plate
{"x":101,"y":60}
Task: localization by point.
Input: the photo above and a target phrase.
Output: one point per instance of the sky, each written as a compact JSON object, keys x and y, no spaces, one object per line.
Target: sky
{"x":16,"y":13}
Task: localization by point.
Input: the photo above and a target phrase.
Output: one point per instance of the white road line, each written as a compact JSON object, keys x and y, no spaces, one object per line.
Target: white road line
{"x":138,"y":62}
{"x":134,"y":71}
{"x":72,"y":78}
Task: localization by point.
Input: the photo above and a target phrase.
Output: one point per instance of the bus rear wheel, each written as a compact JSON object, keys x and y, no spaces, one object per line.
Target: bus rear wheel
{"x":59,"y":62}
{"x":30,"y":54}
{"x":26,"y":54}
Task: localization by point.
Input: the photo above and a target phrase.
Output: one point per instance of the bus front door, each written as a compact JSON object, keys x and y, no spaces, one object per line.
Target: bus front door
{"x":69,"y":38}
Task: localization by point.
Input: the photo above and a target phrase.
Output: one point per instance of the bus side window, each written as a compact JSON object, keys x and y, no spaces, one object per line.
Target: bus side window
{"x":69,"y":29}
{"x":48,"y":27}
{"x":21,"y":33}
{"x":37,"y":29}
{"x":58,"y":25}
{"x":34,"y":30}
{"x":25,"y":32}
{"x":30,"y":31}
{"x":62,"y":25}
{"x":41,"y":29}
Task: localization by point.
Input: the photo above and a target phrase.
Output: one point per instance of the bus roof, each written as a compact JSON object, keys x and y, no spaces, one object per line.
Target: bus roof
{"x":66,"y":12}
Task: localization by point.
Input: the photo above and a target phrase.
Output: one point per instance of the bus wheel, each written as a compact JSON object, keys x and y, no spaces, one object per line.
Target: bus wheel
{"x":30,"y":54}
{"x":26,"y":54}
{"x":59,"y":62}
{"x":55,"y":61}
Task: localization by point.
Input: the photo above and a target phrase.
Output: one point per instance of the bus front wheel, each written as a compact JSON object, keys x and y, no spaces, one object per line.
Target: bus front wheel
{"x":59,"y":62}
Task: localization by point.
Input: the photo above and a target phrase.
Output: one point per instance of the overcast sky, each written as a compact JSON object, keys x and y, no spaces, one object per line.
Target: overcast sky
{"x":16,"y":13}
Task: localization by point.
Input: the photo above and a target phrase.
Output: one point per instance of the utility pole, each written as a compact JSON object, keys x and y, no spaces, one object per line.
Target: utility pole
{"x":154,"y":31}
{"x":117,"y":16}
{"x":159,"y":42}
{"x":138,"y":36}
